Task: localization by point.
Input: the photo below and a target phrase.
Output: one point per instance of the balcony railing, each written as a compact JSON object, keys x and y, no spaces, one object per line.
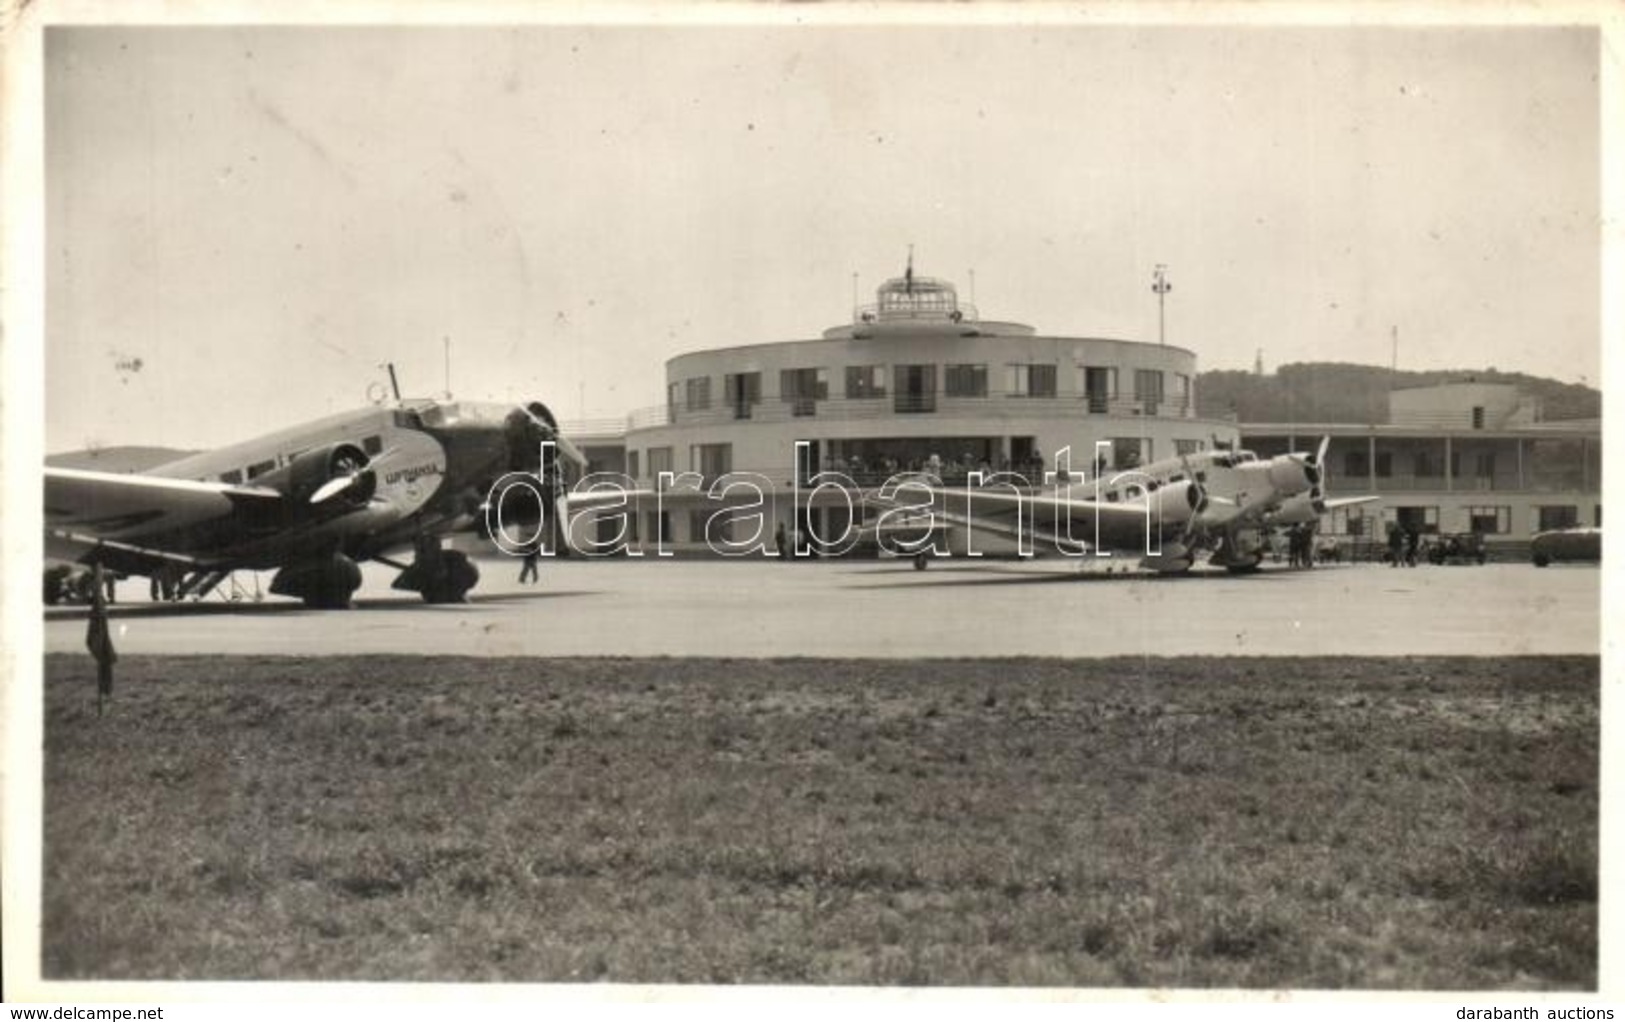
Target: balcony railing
{"x":994,"y":405}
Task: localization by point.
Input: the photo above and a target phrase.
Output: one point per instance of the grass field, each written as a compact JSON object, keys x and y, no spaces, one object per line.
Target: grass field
{"x":1306,"y":823}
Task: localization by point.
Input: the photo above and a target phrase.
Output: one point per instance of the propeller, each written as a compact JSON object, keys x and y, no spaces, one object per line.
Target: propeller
{"x":1317,"y":478}
{"x":350,"y":470}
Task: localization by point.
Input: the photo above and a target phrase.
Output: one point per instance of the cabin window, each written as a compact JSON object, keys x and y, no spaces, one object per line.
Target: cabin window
{"x":259,"y":468}
{"x":233,"y":477}
{"x":373,"y":445}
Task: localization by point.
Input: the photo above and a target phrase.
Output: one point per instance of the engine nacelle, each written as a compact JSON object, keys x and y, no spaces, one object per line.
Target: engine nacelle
{"x":309,"y":472}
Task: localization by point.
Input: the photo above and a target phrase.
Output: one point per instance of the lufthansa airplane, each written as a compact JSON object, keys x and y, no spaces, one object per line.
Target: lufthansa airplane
{"x":312,"y":501}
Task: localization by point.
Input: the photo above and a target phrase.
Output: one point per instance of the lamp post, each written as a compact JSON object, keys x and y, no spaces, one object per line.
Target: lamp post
{"x":1161,"y":286}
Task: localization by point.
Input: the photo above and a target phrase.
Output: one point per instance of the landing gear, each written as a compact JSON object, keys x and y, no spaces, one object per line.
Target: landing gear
{"x":323,"y":585}
{"x":440,"y":576}
{"x":921,"y":560}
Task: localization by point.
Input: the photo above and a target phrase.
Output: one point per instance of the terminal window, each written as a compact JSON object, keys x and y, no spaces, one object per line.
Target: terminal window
{"x":1489,"y":520}
{"x":1356,"y":463}
{"x":1035,"y":379}
{"x":743,"y":391}
{"x":659,"y":460}
{"x":1099,"y":386}
{"x":966,"y":380}
{"x":1148,"y":389}
{"x":1556,"y":516}
{"x":699,"y":393}
{"x":865,"y":382}
{"x":801,"y":388}
{"x":711,"y":460}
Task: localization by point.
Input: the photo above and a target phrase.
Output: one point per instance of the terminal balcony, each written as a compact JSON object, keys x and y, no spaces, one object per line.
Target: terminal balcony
{"x":993,"y":406}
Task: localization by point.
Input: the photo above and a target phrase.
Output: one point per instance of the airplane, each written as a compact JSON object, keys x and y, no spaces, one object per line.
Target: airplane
{"x":1157,"y":520}
{"x":1220,"y":502}
{"x":314,"y":500}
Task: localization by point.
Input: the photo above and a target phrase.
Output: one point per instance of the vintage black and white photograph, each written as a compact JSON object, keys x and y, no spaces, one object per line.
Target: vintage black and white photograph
{"x":890,"y":497}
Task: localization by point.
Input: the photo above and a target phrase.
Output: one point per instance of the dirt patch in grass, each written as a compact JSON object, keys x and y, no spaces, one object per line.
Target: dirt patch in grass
{"x":1308,"y":823}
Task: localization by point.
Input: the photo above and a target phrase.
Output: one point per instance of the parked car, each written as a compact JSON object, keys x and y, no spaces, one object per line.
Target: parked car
{"x":1457,"y":548}
{"x":1565,"y":545}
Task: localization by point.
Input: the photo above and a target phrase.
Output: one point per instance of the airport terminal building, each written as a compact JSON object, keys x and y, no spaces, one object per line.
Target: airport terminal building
{"x":916,"y":381}
{"x":1457,"y":458}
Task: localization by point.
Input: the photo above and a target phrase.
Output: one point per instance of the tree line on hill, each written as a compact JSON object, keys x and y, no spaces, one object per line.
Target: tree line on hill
{"x":1343,"y":392}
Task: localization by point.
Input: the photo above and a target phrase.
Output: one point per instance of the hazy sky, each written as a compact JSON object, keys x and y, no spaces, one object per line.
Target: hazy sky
{"x":261,"y":216}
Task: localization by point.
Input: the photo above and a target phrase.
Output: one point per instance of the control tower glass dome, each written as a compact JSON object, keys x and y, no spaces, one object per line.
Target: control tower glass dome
{"x":910,"y":298}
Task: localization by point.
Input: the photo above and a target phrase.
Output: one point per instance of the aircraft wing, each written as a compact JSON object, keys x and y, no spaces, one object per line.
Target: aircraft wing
{"x":1095,"y":523}
{"x":125,"y":558}
{"x":1303,"y":509}
{"x":1338,"y":502}
{"x":114,"y":506}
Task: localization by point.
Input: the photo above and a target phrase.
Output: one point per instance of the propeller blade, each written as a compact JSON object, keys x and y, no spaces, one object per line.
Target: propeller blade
{"x":338,"y":484}
{"x":333,"y":487}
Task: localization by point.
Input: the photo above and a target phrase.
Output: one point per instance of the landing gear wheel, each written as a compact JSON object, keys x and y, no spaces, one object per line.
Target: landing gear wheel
{"x":322,"y":585}
{"x":921,"y":560}
{"x":455,"y":577}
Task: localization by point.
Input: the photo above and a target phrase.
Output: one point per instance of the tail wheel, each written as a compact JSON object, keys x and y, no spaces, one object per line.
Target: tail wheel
{"x":921,"y":559}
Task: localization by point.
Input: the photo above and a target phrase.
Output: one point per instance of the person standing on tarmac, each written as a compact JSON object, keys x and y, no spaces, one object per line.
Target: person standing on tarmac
{"x":99,"y":640}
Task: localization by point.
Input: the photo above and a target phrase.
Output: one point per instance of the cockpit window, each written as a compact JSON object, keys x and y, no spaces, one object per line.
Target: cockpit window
{"x":441,"y":415}
{"x":407,"y":420}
